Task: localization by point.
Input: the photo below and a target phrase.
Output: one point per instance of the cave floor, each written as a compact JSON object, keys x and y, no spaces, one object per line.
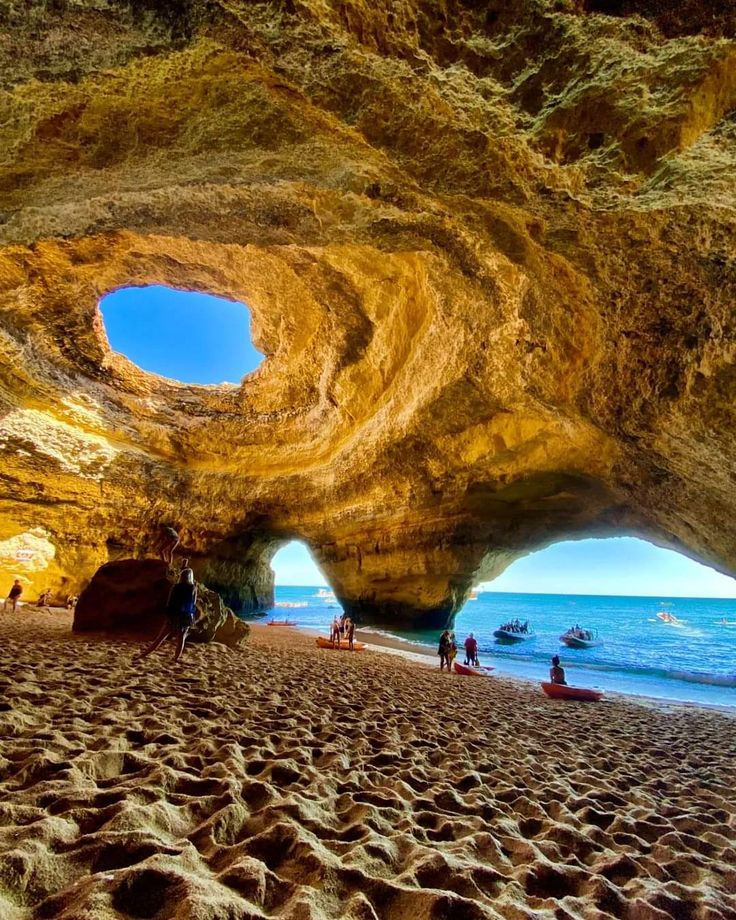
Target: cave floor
{"x":278,"y":780}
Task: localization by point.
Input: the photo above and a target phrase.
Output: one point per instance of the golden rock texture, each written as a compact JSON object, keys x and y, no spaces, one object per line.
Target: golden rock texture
{"x":489,"y":253}
{"x":131,"y":595}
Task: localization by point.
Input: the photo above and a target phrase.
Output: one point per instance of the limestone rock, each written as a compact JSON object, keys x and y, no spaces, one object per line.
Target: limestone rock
{"x":489,"y":253}
{"x":130,"y":596}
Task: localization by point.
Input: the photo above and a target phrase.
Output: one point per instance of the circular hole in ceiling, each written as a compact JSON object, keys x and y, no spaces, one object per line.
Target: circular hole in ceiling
{"x":188,"y":336}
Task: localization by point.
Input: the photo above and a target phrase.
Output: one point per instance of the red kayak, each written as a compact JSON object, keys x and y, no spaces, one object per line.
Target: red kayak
{"x":471,"y":669}
{"x":565,"y":692}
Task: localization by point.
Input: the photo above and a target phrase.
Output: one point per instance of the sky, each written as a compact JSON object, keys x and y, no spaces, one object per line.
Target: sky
{"x":194,"y":338}
{"x":199,"y":338}
{"x":616,"y":565}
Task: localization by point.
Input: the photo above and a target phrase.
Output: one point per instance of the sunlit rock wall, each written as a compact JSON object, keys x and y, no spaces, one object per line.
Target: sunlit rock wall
{"x":489,"y":254}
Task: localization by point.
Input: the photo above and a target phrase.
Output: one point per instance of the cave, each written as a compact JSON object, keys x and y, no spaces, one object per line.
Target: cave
{"x":489,"y":319}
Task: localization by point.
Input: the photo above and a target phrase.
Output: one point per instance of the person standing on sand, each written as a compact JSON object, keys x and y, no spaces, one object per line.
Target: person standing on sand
{"x":350,"y":630}
{"x":452,"y":654}
{"x":444,"y":650}
{"x":335,"y":631}
{"x":471,"y":650}
{"x":557,"y":672}
{"x":181,"y":609}
{"x":13,"y":595}
{"x":167,"y":542}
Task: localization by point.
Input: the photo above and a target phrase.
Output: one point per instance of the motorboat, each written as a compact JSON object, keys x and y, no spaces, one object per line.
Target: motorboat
{"x":580,"y":638}
{"x":509,"y":634}
{"x":325,"y":594}
{"x":290,"y":604}
{"x":666,"y":617}
{"x":566,"y":692}
{"x":281,"y":623}
{"x":472,"y":670}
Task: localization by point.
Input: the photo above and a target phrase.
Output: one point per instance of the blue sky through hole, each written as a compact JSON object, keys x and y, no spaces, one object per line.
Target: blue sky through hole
{"x":183,"y":335}
{"x":615,"y":566}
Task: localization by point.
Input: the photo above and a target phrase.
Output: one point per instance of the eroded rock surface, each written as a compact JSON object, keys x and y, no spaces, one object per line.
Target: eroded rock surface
{"x":130,"y":596}
{"x":489,"y":254}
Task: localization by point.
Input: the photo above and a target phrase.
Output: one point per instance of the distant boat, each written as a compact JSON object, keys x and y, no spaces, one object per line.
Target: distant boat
{"x":580,"y":638}
{"x":325,"y":594}
{"x":666,"y":617}
{"x":509,"y":636}
{"x":281,"y":623}
{"x":290,"y":604}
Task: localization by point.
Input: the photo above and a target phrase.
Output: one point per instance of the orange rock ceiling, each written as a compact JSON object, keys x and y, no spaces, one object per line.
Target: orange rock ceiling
{"x":489,"y":254}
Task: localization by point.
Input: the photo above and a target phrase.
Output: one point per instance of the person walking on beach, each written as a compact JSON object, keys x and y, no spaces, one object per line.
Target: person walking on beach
{"x":14,"y":595}
{"x":167,"y":542}
{"x":471,"y":650}
{"x":444,"y":650}
{"x":557,"y":672}
{"x":181,"y":609}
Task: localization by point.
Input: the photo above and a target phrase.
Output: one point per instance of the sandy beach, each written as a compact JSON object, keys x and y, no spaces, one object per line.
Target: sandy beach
{"x":283,"y":781}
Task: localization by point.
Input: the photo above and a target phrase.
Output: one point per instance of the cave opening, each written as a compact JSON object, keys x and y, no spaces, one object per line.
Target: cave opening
{"x":612,"y":565}
{"x":294,"y":566}
{"x":187,"y":336}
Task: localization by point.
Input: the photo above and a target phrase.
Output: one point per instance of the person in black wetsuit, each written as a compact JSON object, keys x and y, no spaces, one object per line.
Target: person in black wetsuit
{"x":181,"y":609}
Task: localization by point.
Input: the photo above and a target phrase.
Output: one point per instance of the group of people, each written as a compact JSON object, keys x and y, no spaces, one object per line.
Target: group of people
{"x":447,"y":650}
{"x":343,"y":630}
{"x":516,"y":626}
{"x":44,"y":598}
{"x":577,"y":632}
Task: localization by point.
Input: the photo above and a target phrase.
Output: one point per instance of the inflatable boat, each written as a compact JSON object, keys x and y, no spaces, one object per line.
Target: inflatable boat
{"x":479,"y":671}
{"x":281,"y":623}
{"x":342,"y":644}
{"x":580,"y":638}
{"x":512,"y":635}
{"x":566,"y":692}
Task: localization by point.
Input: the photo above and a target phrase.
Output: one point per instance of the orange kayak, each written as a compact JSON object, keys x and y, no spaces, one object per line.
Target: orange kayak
{"x":480,"y":671}
{"x":565,"y":692}
{"x":343,"y":644}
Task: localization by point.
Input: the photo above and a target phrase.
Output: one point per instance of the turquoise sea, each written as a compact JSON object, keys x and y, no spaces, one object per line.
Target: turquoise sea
{"x":694,"y":660}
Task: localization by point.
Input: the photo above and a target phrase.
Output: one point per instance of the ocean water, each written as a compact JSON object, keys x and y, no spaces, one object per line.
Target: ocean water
{"x":692,"y":661}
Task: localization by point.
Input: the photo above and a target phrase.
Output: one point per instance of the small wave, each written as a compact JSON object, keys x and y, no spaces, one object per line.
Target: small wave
{"x":698,"y":677}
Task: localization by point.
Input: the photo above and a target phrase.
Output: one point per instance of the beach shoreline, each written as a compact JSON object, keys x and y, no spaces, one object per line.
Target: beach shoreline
{"x":279,"y":780}
{"x":426,"y":656}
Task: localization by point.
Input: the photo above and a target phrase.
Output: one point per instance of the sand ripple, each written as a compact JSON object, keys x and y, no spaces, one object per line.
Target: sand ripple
{"x":282,"y":781}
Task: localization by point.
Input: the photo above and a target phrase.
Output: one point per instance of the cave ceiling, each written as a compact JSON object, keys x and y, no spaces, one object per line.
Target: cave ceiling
{"x":488,"y":249}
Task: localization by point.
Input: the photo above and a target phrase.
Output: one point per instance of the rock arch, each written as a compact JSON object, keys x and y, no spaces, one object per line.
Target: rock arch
{"x":482,"y":331}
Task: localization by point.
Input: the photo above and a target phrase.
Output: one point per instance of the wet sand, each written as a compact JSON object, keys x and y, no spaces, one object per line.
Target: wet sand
{"x":283,"y":781}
